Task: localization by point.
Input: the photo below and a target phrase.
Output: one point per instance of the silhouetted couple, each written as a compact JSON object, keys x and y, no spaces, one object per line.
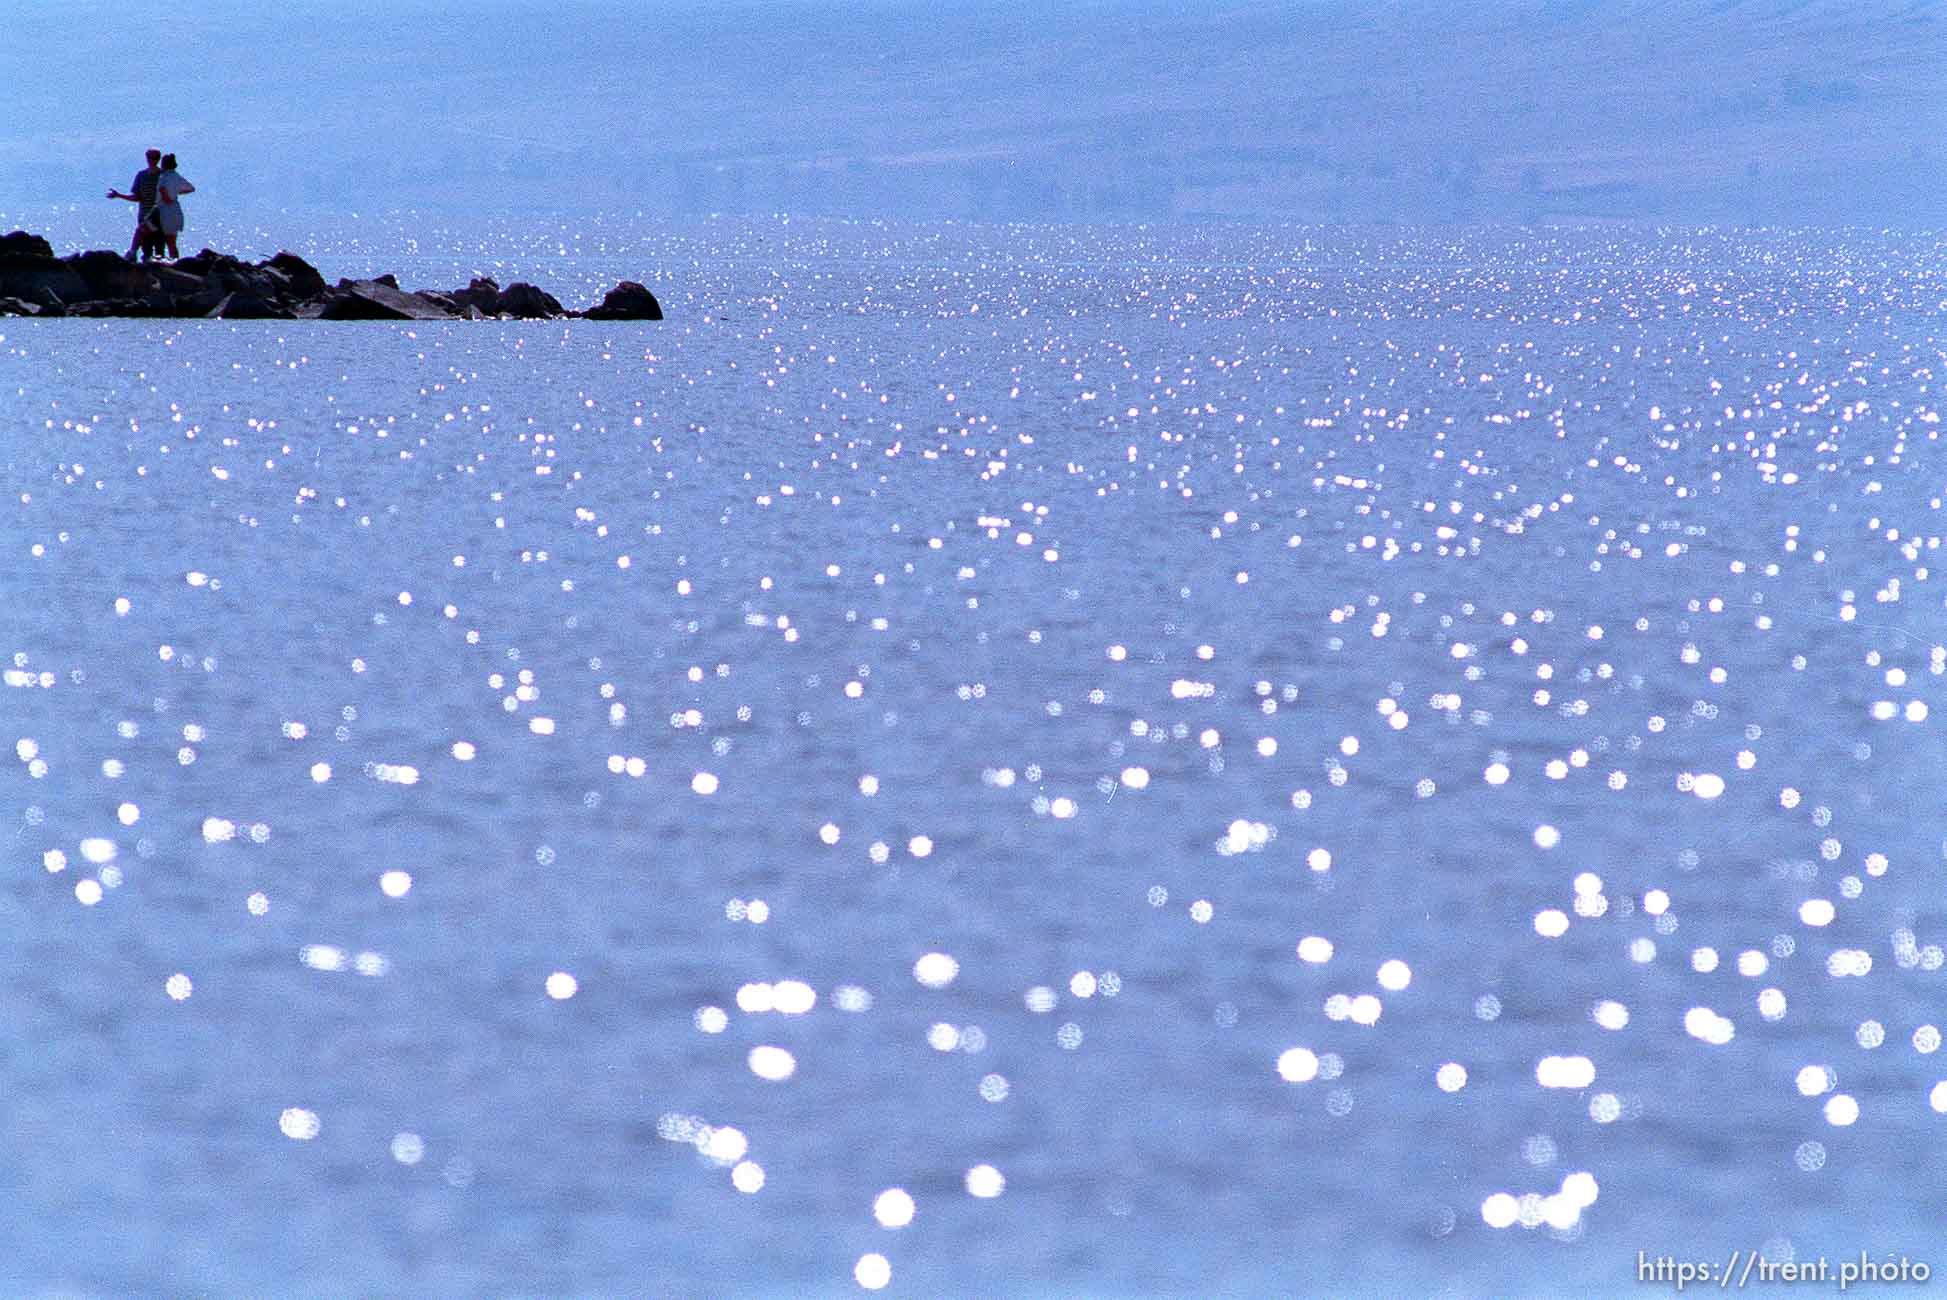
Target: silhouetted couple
{"x":157,"y":195}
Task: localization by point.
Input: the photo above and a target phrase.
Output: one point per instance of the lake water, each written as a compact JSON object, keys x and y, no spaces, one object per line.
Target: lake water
{"x":1025,"y":760}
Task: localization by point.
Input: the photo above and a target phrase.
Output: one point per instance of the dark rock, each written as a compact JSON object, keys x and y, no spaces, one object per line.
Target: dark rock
{"x":527,"y":302}
{"x":627,"y":301}
{"x":264,"y":282}
{"x":109,"y":275}
{"x":245,"y":305}
{"x":304,"y":278}
{"x":208,"y":261}
{"x":350,"y":304}
{"x":203,"y":301}
{"x":481,"y":294}
{"x":21,"y":276}
{"x":376,"y":300}
{"x":210,"y":283}
{"x":178,"y":282}
{"x":26,"y":245}
{"x":267,"y":277}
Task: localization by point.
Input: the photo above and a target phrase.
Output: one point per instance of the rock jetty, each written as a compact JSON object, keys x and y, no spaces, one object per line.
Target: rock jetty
{"x":216,"y":286}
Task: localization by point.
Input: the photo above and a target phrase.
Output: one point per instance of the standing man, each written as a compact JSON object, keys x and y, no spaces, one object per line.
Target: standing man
{"x":148,"y":238}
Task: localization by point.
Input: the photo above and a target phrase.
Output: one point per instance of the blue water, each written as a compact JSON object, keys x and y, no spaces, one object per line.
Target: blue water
{"x":439,"y":751}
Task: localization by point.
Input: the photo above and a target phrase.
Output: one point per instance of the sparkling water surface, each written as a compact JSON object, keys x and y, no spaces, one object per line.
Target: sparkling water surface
{"x":981,"y":761}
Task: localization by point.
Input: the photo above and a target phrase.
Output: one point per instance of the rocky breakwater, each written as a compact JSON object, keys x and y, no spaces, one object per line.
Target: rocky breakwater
{"x":216,"y":286}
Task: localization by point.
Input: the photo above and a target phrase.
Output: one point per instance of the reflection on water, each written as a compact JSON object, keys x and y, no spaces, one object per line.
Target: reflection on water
{"x":984,"y":761}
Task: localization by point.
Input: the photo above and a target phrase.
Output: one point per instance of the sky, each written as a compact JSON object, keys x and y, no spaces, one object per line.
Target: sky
{"x":1780,"y":112}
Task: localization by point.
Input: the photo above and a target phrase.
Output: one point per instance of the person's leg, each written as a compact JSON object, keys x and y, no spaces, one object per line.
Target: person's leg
{"x":138,"y":242}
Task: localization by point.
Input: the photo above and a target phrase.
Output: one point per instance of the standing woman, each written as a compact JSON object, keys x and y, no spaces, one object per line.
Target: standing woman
{"x":170,"y":187}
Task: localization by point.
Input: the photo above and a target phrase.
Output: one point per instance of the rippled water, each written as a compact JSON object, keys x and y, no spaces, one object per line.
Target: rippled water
{"x":1039,"y":761}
